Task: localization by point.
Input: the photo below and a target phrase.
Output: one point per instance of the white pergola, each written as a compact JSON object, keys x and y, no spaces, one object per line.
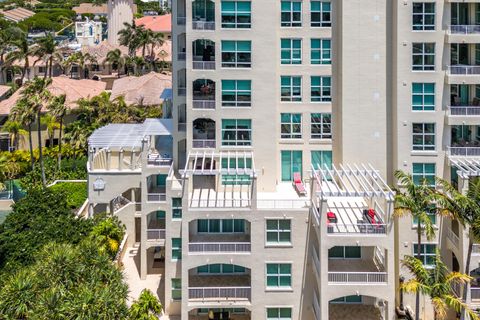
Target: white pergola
{"x":466,"y":167}
{"x":351,"y":181}
{"x":210,"y":163}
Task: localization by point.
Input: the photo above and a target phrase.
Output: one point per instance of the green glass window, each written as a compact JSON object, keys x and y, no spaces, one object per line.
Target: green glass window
{"x":423,"y":56}
{"x":320,"y":13}
{"x":423,"y":171}
{"x":176,"y":248}
{"x":236,"y":14}
{"x":161,"y":180}
{"x":279,"y":313}
{"x":279,"y":275}
{"x":348,"y":299}
{"x":203,"y":10}
{"x":291,"y":52}
{"x":236,"y":132}
{"x":220,"y":225}
{"x":176,"y":289}
{"x":221,"y":269}
{"x":236,"y":54}
{"x":214,"y":225}
{"x":423,"y":96}
{"x":423,"y":136}
{"x":345,"y":252}
{"x":321,"y":125}
{"x":236,"y":179}
{"x":202,"y":225}
{"x":321,"y":159}
{"x":176,"y":208}
{"x":423,"y":16}
{"x":291,"y":125}
{"x":291,"y":163}
{"x":427,"y":253}
{"x":236,"y":93}
{"x":291,"y":88}
{"x":321,"y":89}
{"x":278,"y":231}
{"x":320,"y":51}
{"x":291,"y":13}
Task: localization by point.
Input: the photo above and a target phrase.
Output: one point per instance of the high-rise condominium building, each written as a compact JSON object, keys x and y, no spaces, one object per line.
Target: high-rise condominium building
{"x":265,"y":196}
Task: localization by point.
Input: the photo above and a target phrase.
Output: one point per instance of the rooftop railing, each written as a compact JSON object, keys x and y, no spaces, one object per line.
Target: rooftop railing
{"x":283,"y":203}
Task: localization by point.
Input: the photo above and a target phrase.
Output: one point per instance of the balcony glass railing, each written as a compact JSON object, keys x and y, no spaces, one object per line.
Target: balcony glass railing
{"x":471,"y":110}
{"x":464,"y":70}
{"x":155,"y":234}
{"x":218,"y":247}
{"x":464,"y":29}
{"x":203,"y":25}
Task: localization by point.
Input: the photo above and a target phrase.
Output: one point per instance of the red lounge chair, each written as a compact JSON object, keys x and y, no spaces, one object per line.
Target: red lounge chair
{"x":298,"y":184}
{"x":331,"y":217}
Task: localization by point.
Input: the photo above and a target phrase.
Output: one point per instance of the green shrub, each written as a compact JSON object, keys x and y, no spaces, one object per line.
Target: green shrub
{"x":75,"y":193}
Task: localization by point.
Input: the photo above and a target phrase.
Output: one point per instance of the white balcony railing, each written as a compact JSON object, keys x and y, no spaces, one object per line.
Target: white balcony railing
{"x":203,"y":143}
{"x":464,"y":111}
{"x":159,"y":161}
{"x":216,"y":293}
{"x":453,"y":238}
{"x":282,"y":203}
{"x":203,"y":104}
{"x":219,"y":247}
{"x":464,"y":151}
{"x":155,"y":234}
{"x":156,"y":197}
{"x":204,"y":65}
{"x":219,"y":203}
{"x":203,"y":25}
{"x":357,"y":277}
{"x":181,"y":56}
{"x":355,"y":229}
{"x":464,"y":29}
{"x":475,"y":293}
{"x":464,"y":70}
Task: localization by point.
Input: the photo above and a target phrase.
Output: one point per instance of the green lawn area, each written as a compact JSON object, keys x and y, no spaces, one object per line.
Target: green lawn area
{"x":76,"y":192}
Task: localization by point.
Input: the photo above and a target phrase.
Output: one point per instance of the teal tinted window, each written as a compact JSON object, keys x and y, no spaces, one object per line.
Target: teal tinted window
{"x":291,"y":88}
{"x":321,"y":51}
{"x":291,"y":13}
{"x":291,"y":51}
{"x":423,"y":96}
{"x":424,"y":171}
{"x":176,"y":248}
{"x":291,"y":163}
{"x":279,"y":313}
{"x":291,"y":125}
{"x":176,"y":289}
{"x":278,"y":231}
{"x":321,"y":159}
{"x":279,"y":275}
{"x":236,"y":132}
{"x":320,"y":14}
{"x":236,"y":93}
{"x":321,"y":89}
{"x":236,"y":14}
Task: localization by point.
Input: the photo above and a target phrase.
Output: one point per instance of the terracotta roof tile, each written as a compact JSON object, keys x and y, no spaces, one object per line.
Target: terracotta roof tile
{"x":145,"y":90}
{"x":156,"y":23}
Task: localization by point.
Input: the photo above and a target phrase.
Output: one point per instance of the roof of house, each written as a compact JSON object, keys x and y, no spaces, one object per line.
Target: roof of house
{"x":4,"y":90}
{"x":156,"y":23}
{"x":72,"y":88}
{"x":145,"y":90}
{"x":85,"y":8}
{"x":17,"y":14}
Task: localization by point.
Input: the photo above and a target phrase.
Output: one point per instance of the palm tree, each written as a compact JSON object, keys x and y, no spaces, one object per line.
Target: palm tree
{"x":156,"y":39}
{"x":147,"y":307}
{"x":8,"y":170}
{"x":129,"y":37}
{"x":37,"y":94}
{"x":115,"y":59}
{"x":59,"y":109}
{"x":25,"y":115}
{"x":143,"y":38}
{"x":16,"y":131}
{"x":51,"y":123}
{"x":109,"y":234}
{"x":437,"y":283}
{"x":7,"y":37}
{"x":46,"y":50}
{"x":22,"y":52}
{"x":418,"y":201}
{"x":79,"y":59}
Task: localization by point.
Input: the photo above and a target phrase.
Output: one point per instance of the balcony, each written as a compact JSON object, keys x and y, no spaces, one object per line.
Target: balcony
{"x":467,"y":151}
{"x":203,"y":15}
{"x":229,"y":236}
{"x":463,"y":74}
{"x":218,"y":247}
{"x":203,"y":25}
{"x":203,"y":54}
{"x":203,"y":143}
{"x":219,"y":293}
{"x":203,"y":94}
{"x":155,"y":234}
{"x":454,"y":239}
{"x":157,"y":160}
{"x":203,"y":65}
{"x":156,"y":190}
{"x":371,"y":278}
{"x":464,"y":33}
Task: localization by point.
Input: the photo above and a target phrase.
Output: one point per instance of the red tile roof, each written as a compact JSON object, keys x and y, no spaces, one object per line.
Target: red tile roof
{"x":156,"y":23}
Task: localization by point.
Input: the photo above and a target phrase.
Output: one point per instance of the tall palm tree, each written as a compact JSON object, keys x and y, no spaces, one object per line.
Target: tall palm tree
{"x":438,"y":284}
{"x":80,"y":59}
{"x":59,"y":109}
{"x":37,"y":94}
{"x":147,"y":307}
{"x":466,"y":209}
{"x":51,"y":123}
{"x":16,"y":132}
{"x":24,"y":113}
{"x":115,"y":59}
{"x":46,"y":50}
{"x":143,"y":38}
{"x":417,"y":200}
{"x":7,"y":37}
{"x":129,"y":38}
{"x":156,"y":39}
{"x":22,"y":52}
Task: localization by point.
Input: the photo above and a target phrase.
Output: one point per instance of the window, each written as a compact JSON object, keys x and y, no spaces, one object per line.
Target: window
{"x":321,"y":159}
{"x":237,"y":54}
{"x":424,"y":171}
{"x":236,"y":14}
{"x":321,"y":51}
{"x":321,"y":125}
{"x":221,"y":226}
{"x":321,"y":89}
{"x":279,"y":313}
{"x":291,"y":13}
{"x":345,"y":252}
{"x":291,"y":52}
{"x":432,"y":215}
{"x":320,"y":14}
{"x":424,"y":136}
{"x":236,"y":93}
{"x":221,"y":269}
{"x":348,"y":300}
{"x":176,"y":208}
{"x":230,"y":178}
{"x":291,"y":125}
{"x":423,"y":56}
{"x":278,"y":231}
{"x":236,"y":132}
{"x":279,"y":275}
{"x":427,"y":253}
{"x":291,"y":163}
{"x":423,"y":16}
{"x":176,"y":289}
{"x":291,"y":88}
{"x":176,"y":248}
{"x":423,"y":96}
